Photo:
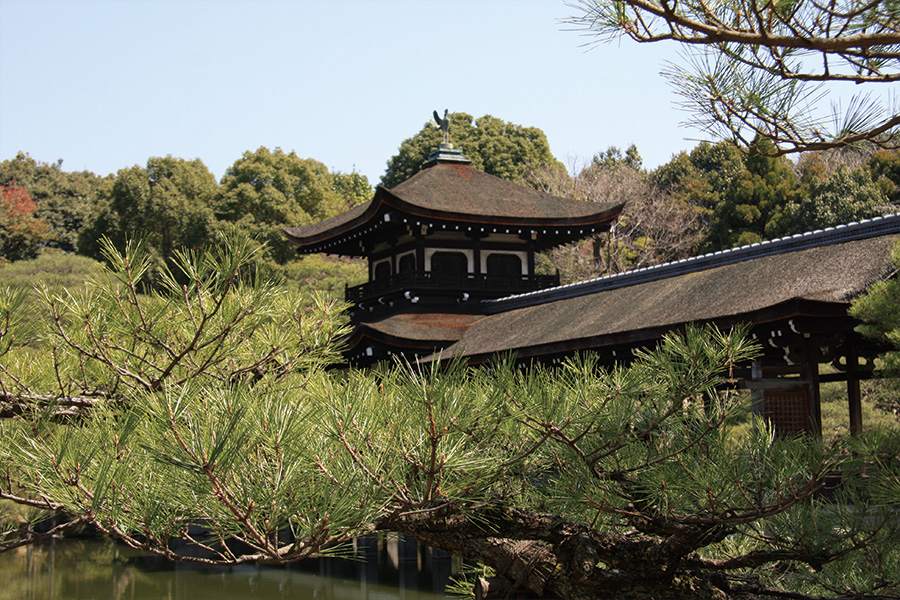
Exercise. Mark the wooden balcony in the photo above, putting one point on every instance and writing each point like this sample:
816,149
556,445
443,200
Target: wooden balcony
480,286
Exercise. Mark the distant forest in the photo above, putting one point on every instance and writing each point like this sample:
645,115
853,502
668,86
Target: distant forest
714,197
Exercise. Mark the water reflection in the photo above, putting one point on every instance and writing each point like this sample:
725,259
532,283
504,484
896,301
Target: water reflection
97,570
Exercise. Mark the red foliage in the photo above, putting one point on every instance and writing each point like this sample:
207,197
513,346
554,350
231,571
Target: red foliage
17,201
21,234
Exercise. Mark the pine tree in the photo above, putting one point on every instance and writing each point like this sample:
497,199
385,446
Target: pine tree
205,412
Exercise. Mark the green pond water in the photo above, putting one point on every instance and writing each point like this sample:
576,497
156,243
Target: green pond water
99,570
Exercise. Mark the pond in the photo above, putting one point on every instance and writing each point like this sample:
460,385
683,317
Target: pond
89,569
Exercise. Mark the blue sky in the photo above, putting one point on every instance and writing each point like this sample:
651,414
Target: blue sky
107,84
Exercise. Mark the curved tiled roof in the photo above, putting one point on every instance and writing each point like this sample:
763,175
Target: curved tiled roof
465,193
459,193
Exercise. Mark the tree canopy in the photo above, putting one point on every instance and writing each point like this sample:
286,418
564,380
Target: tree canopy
880,309
747,197
493,145
64,200
167,204
210,403
844,196
266,190
758,69
752,208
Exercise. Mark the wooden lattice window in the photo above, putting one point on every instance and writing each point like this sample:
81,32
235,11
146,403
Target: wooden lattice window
787,410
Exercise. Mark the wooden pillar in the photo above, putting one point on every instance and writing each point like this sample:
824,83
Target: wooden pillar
476,257
757,402
854,396
420,253
812,375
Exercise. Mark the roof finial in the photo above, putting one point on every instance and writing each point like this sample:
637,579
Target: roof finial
444,124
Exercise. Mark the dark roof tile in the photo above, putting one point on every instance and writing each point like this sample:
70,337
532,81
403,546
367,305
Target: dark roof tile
462,194
468,193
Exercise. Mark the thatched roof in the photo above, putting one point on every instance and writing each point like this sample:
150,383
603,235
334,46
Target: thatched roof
753,290
462,192
417,333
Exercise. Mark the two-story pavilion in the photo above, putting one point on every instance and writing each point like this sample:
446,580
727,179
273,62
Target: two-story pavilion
438,245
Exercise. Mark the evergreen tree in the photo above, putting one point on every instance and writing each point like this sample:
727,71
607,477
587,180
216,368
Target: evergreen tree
166,203
210,403
493,145
843,196
266,190
753,208
880,309
756,69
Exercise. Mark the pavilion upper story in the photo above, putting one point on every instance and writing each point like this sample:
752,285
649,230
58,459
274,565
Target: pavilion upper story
450,237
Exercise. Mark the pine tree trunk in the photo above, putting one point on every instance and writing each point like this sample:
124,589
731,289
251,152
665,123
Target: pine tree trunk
541,556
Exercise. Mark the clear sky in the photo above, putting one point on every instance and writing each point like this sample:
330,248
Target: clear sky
107,84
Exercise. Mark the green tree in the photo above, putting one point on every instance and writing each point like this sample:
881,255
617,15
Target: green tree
58,271
703,177
752,209
740,198
265,190
879,308
844,196
210,403
167,204
613,158
493,145
885,168
353,187
64,200
758,69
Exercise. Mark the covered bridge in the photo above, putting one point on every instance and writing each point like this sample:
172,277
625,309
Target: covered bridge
794,292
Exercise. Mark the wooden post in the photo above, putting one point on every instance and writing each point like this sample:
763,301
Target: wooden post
757,402
854,396
815,401
476,257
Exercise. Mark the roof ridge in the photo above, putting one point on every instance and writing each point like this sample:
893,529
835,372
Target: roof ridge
856,230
